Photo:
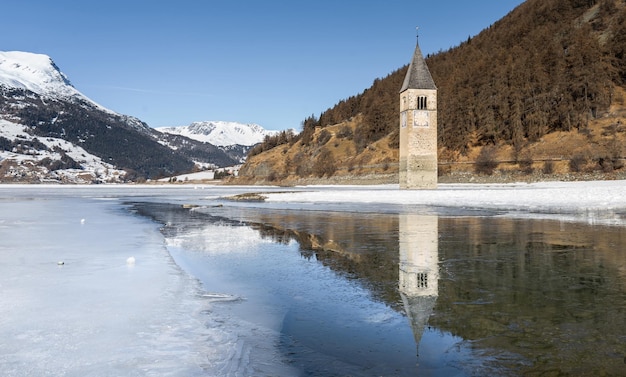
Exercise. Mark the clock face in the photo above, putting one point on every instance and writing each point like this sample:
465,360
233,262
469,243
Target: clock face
420,118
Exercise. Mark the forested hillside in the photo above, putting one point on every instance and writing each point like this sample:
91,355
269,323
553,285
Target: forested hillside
548,66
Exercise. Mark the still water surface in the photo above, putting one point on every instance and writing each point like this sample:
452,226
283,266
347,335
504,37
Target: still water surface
405,294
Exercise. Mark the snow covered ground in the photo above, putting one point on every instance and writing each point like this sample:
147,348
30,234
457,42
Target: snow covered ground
591,201
542,197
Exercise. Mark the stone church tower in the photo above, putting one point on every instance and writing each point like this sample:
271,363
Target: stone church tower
418,126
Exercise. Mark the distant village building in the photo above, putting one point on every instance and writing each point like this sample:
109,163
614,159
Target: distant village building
418,126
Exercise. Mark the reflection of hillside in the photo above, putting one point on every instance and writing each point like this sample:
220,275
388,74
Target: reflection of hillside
361,246
551,292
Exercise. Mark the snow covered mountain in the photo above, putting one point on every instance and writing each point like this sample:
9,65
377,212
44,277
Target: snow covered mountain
221,133
51,131
36,73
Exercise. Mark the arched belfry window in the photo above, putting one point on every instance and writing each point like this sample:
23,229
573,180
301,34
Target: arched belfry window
422,103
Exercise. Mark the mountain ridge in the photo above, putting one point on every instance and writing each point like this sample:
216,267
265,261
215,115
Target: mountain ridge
38,102
221,133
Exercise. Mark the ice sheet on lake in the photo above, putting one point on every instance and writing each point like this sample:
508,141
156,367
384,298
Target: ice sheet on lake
72,305
322,321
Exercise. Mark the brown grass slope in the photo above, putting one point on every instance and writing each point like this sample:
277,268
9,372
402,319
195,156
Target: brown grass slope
538,94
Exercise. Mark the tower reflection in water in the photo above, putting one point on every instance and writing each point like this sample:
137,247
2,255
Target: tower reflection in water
419,269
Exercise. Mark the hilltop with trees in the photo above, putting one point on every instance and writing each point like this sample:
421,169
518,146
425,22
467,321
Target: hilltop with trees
541,91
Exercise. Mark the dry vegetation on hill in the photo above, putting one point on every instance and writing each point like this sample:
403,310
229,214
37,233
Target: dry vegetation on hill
331,154
538,95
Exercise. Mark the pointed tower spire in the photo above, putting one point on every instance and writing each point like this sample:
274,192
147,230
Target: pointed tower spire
418,76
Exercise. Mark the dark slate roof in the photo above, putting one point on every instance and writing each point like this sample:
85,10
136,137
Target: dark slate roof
418,76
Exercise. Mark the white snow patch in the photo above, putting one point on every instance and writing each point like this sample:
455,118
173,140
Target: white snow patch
199,176
30,158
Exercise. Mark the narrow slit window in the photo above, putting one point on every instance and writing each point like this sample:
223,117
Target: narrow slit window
422,103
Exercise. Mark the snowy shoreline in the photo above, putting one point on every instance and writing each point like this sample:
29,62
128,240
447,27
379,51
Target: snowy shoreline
560,197
589,200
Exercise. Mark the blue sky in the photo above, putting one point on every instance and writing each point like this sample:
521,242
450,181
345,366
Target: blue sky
274,63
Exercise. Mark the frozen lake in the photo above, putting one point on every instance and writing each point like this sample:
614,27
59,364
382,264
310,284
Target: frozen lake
299,286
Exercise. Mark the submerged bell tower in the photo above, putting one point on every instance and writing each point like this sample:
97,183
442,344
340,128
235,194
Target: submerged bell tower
418,126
